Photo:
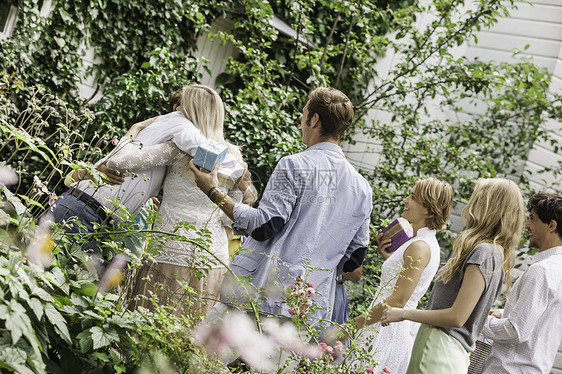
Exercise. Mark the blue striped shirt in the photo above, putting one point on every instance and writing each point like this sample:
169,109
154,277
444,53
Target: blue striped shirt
314,214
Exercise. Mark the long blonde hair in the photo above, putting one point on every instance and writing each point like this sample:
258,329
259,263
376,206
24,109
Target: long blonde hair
204,108
494,214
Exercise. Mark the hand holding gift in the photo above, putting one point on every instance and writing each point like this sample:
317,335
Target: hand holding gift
393,236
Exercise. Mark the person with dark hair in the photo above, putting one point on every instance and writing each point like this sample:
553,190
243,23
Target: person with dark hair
528,332
312,223
175,101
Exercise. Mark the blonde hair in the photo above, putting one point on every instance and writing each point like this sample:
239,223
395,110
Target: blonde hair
437,196
204,108
494,214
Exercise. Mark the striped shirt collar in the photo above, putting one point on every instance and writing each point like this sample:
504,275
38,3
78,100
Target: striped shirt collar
546,254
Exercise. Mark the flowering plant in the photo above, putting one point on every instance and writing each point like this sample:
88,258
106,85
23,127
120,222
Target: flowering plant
299,298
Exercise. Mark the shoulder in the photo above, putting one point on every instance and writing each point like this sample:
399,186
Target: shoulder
416,249
487,256
172,121
486,250
287,162
538,270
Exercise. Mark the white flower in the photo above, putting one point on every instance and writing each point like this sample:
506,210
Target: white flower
114,274
287,336
40,250
8,176
236,333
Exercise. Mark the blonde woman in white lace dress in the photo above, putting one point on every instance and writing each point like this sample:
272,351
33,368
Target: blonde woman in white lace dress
405,276
183,203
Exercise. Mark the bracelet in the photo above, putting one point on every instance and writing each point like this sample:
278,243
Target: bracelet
213,193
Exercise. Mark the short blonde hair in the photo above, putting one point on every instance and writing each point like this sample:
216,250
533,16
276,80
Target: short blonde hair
437,196
494,214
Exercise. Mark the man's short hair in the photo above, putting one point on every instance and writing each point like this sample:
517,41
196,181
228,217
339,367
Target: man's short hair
548,207
334,109
175,100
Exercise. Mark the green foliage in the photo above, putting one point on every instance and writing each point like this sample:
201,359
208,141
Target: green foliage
431,113
57,321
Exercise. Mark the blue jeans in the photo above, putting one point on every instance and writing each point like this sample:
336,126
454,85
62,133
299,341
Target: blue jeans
80,220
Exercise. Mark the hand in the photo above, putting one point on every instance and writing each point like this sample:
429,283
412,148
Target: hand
155,203
113,177
383,245
205,180
246,179
392,315
496,313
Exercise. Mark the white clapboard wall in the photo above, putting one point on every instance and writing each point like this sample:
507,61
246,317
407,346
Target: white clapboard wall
540,26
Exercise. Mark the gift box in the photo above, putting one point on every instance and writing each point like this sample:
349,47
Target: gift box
228,176
209,154
400,231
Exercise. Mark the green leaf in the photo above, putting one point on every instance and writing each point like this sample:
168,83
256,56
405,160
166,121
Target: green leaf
102,356
15,359
58,322
37,306
42,294
103,337
85,341
20,208
17,320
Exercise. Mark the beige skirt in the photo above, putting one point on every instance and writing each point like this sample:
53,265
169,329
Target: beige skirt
436,352
169,285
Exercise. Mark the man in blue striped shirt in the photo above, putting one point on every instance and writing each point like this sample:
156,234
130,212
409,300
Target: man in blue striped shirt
313,219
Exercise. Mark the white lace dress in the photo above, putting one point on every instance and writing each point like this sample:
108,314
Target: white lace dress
393,344
183,205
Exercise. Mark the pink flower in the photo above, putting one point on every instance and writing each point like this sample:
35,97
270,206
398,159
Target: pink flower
300,292
292,311
303,314
338,347
386,370
323,346
310,291
370,369
115,140
311,284
308,302
292,287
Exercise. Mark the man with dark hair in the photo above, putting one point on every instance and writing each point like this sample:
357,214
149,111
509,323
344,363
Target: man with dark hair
527,334
312,222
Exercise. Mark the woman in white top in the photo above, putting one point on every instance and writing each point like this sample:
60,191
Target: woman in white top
184,205
405,277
